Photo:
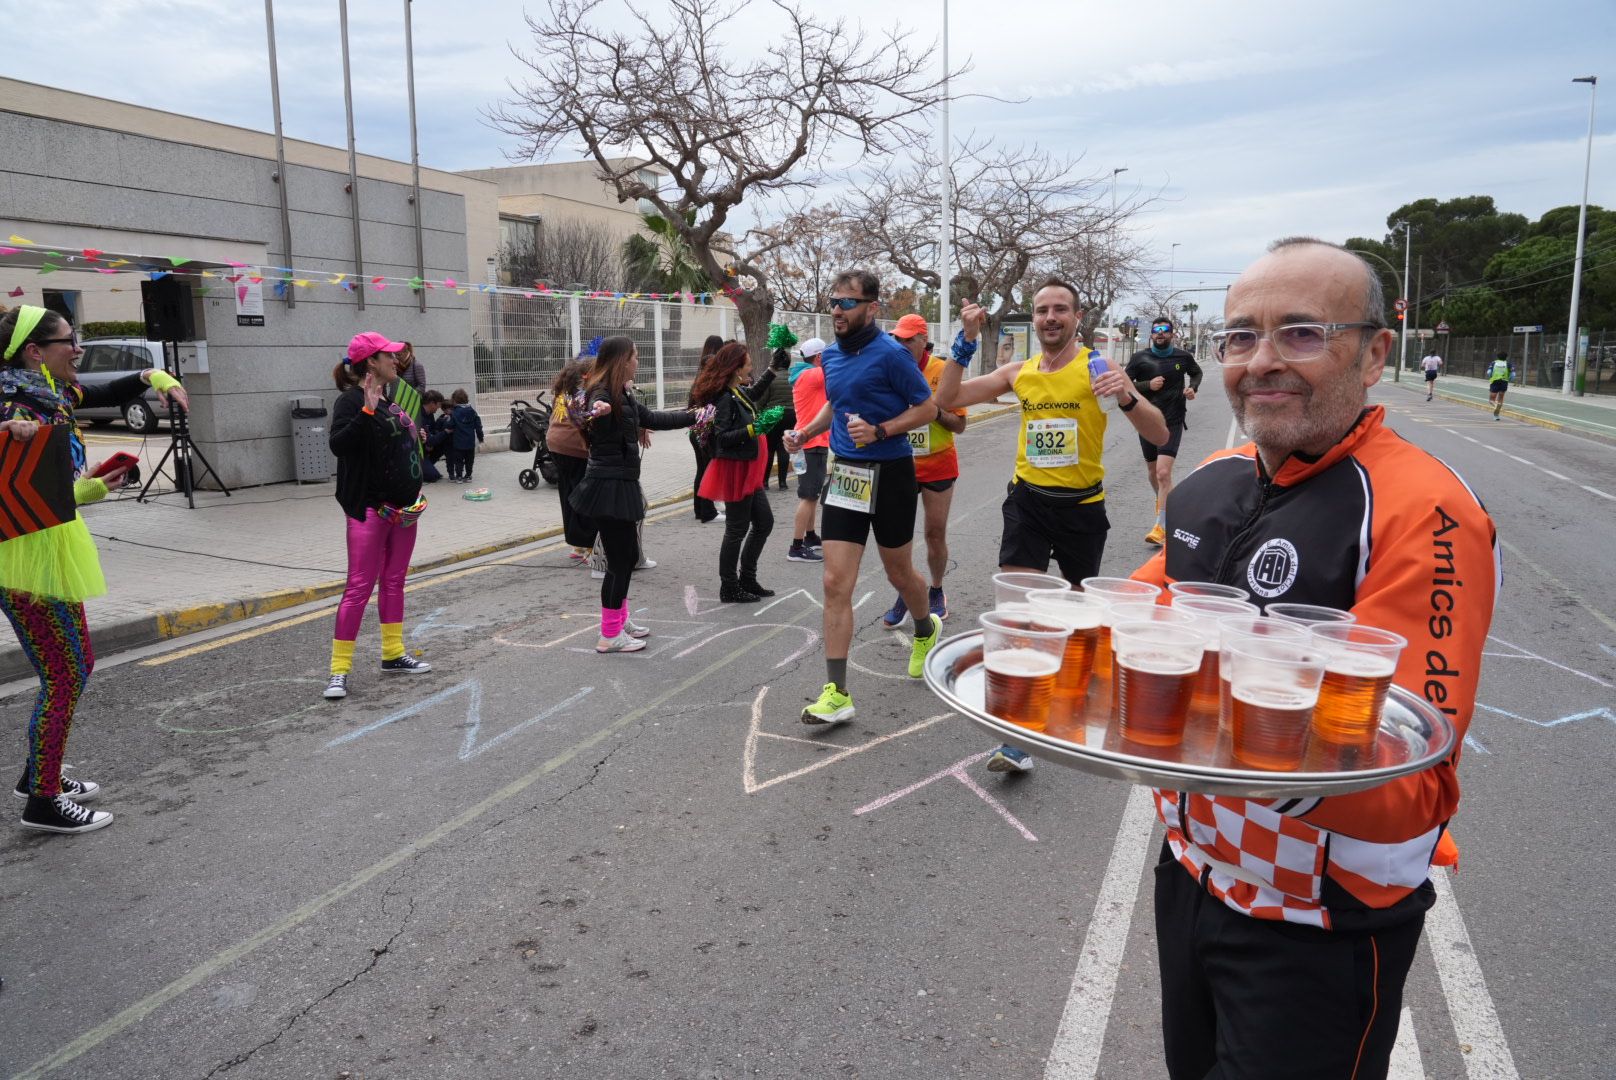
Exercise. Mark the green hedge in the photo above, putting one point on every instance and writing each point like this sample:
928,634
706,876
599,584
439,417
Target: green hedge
134,328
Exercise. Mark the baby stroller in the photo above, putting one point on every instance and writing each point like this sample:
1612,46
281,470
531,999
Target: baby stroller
530,425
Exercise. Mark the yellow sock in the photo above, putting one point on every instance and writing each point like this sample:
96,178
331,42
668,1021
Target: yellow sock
392,640
341,656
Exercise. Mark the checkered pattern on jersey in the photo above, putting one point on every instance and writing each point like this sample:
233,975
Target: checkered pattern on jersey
1287,854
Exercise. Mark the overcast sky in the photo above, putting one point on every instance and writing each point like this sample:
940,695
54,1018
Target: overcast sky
1253,118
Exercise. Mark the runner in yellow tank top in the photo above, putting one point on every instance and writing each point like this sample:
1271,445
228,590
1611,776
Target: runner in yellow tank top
1056,507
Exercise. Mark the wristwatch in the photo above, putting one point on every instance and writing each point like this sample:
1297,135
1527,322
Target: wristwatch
1133,402
880,431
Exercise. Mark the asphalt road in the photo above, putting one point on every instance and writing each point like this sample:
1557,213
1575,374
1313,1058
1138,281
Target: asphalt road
540,862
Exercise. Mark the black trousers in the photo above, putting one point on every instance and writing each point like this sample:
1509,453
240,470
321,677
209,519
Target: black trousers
579,530
706,509
1254,998
621,543
461,462
778,458
747,525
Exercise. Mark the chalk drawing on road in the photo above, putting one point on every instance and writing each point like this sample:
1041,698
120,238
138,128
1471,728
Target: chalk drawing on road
811,638
187,716
1521,652
472,745
1602,712
955,771
430,624
754,732
510,635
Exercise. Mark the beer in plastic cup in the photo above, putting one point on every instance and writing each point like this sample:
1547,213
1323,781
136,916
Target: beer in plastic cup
1358,668
1156,663
1274,686
1208,611
1230,629
1177,589
1010,590
1082,613
1022,653
1308,615
1114,590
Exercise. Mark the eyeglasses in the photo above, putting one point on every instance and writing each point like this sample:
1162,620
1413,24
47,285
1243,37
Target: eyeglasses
1295,342
848,303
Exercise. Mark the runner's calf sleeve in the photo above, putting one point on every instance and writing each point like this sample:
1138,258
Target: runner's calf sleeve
836,672
923,625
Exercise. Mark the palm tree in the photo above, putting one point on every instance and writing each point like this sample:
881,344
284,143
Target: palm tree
662,261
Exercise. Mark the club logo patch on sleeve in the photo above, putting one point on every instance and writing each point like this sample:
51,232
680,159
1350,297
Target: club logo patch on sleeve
1272,569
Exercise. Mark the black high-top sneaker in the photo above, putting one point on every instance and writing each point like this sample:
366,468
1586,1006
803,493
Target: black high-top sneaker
61,814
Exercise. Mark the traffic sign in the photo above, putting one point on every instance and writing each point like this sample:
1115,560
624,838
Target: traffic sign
1401,304
1442,328
1538,329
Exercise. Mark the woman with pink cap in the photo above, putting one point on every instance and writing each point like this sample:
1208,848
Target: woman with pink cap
379,488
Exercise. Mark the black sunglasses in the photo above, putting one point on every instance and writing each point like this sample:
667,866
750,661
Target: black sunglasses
848,303
71,339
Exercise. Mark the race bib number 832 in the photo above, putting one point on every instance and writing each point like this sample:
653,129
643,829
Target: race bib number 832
1052,443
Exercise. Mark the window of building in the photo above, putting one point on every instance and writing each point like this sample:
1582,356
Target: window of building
65,302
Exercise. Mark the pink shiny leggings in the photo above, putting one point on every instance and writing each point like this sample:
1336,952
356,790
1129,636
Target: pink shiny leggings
377,548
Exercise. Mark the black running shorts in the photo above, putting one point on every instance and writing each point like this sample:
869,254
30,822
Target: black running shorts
892,518
1175,432
1038,526
1498,386
812,480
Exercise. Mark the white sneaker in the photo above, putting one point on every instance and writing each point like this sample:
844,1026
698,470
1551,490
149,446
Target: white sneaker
621,643
718,516
635,630
645,564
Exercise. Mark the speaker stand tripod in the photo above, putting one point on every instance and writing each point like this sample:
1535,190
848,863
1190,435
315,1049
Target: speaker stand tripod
181,449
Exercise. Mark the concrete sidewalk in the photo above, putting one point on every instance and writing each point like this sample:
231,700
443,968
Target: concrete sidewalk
1591,416
172,571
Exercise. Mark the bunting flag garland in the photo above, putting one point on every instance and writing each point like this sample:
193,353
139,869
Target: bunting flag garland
51,260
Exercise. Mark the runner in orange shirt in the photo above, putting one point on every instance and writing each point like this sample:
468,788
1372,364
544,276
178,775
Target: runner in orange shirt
936,469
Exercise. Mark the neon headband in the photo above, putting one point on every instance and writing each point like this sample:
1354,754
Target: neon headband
28,319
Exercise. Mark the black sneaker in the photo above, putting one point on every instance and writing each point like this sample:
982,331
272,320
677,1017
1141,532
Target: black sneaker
406,665
813,543
62,815
750,584
336,689
77,790
732,593
801,552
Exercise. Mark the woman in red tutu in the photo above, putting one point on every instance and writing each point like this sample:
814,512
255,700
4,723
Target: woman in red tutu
740,460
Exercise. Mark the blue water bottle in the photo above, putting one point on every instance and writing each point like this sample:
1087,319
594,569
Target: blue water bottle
1097,365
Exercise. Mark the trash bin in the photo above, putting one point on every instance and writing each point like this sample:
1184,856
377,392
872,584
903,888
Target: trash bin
311,446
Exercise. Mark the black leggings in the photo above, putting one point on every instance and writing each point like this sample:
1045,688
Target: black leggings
749,520
705,508
578,529
778,458
621,543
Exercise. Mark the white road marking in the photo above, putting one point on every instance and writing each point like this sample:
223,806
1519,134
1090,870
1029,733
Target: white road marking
1596,491
1078,1042
1406,1063
1535,465
1475,1019
749,780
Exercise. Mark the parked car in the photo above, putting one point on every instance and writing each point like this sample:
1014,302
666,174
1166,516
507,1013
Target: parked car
107,359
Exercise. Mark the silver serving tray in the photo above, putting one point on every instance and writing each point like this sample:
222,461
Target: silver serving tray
1413,737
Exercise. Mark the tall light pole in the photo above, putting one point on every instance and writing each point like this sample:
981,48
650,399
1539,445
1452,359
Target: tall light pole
945,255
1114,173
1408,246
1397,369
1582,228
1172,266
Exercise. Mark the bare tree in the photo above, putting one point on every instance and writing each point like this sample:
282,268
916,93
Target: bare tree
802,255
723,128
566,253
1102,266
1018,214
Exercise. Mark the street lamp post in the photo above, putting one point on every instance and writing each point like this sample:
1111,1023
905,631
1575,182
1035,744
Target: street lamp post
945,254
1114,173
1402,347
1397,369
1172,265
1582,228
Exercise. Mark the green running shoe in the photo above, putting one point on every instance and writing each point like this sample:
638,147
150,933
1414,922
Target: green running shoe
924,645
832,707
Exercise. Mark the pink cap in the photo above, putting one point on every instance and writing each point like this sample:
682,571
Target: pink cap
364,346
910,326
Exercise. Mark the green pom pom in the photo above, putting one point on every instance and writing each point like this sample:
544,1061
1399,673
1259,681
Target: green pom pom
780,337
769,419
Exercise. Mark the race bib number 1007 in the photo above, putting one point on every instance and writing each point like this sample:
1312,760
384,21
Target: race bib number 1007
850,487
1052,443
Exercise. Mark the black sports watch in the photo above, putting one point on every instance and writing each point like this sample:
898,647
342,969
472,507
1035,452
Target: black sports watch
1133,403
880,431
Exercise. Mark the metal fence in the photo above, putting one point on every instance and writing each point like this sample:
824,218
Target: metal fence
1536,359
522,342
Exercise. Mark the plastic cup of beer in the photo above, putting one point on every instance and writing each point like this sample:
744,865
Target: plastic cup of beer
1179,589
1022,653
1010,590
1208,612
1082,613
1114,590
1274,686
1358,668
1156,665
1231,628
1309,615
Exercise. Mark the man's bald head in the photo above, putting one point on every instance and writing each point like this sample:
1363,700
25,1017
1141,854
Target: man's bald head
1374,306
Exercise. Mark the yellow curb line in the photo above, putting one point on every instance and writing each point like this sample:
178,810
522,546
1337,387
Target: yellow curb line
1552,425
172,624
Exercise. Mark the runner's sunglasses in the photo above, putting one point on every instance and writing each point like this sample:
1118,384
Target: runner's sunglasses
848,303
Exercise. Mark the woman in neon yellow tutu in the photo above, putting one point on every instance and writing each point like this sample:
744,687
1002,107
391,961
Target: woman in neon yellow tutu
46,574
